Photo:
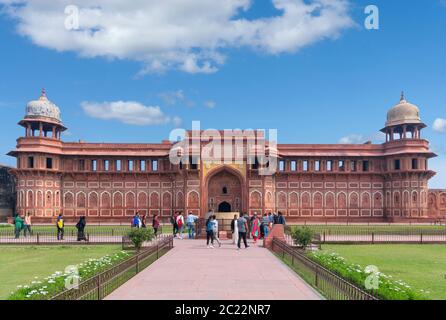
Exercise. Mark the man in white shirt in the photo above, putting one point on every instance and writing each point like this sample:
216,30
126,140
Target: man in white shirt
215,222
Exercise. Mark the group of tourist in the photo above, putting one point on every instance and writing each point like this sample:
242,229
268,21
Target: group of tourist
241,226
178,223
24,223
139,221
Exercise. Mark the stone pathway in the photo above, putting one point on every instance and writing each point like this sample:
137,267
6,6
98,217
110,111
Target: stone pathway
190,271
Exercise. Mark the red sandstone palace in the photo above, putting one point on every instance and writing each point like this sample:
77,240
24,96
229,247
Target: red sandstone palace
110,182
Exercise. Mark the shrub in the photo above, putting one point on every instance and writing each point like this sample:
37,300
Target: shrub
55,283
139,235
388,288
302,236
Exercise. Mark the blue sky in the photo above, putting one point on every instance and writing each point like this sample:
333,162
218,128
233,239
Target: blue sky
320,91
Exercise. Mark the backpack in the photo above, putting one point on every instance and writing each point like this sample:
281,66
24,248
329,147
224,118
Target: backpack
60,223
180,222
172,220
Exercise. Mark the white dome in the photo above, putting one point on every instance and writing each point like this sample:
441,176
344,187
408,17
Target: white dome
43,108
403,113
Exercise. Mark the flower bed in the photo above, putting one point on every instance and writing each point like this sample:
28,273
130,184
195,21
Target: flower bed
55,283
387,287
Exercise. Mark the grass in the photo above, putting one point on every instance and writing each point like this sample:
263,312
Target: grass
421,266
19,265
378,229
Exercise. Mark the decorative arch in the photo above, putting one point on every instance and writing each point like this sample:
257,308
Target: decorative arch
81,200
293,200
154,200
354,200
306,200
396,199
30,198
57,199
242,202
268,199
406,199
167,200
106,200
118,199
342,200
378,200
93,199
68,199
142,200
330,201
414,199
22,199
318,200
180,199
39,199
49,199
281,200
366,201
130,200
255,199
193,199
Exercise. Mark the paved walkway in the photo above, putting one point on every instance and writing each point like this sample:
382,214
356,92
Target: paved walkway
190,271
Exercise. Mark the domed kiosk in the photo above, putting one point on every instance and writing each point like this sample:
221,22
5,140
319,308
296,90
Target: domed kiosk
403,121
42,118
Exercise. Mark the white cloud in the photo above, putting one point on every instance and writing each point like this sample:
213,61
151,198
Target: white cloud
439,125
171,98
210,104
191,35
360,139
128,112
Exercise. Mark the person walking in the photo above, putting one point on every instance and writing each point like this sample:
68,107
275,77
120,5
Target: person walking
18,225
242,225
265,225
144,220
281,219
180,225
191,219
173,221
234,230
155,223
210,232
136,221
271,219
275,218
80,226
27,225
60,224
215,230
255,231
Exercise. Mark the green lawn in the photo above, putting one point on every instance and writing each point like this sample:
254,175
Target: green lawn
378,229
20,264
421,266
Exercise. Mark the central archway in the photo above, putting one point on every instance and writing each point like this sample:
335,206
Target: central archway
224,207
224,190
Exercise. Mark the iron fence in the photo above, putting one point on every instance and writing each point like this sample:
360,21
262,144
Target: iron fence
101,285
332,286
393,234
48,235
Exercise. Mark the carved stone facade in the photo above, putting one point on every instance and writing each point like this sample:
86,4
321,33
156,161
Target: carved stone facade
110,182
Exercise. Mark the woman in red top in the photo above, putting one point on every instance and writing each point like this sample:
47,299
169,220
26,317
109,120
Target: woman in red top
155,223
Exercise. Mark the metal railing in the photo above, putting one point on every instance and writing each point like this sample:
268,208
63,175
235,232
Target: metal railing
332,286
101,285
47,235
